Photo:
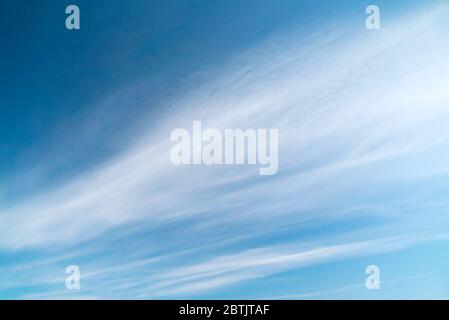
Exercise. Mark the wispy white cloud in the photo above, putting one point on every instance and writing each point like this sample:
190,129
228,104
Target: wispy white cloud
357,112
226,270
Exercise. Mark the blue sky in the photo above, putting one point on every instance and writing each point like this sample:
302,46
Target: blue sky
363,175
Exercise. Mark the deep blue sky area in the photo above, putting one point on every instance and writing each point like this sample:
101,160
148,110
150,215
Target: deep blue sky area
51,75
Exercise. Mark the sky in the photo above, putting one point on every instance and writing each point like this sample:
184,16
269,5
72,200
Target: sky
86,179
